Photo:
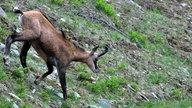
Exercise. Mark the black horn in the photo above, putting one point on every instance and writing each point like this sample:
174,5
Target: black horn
104,52
94,50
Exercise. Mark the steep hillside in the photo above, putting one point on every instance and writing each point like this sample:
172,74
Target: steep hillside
149,63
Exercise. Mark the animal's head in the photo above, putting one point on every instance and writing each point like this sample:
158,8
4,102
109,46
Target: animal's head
93,58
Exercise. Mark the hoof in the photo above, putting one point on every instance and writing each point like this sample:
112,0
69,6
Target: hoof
36,82
6,61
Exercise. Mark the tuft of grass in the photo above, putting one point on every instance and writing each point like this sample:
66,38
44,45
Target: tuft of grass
5,103
157,78
176,93
111,70
59,2
186,103
3,76
84,76
20,72
135,86
45,95
121,65
136,37
81,68
103,86
108,9
127,8
157,11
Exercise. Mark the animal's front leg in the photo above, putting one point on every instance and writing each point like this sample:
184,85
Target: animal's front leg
62,79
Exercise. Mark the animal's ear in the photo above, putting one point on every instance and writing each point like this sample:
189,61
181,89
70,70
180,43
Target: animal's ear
94,50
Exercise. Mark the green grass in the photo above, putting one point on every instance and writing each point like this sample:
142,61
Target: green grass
84,76
185,103
5,103
112,84
138,38
59,2
157,78
107,8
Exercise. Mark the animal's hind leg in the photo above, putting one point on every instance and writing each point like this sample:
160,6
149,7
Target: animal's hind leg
23,53
27,35
50,70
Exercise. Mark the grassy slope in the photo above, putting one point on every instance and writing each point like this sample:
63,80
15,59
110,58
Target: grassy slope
152,67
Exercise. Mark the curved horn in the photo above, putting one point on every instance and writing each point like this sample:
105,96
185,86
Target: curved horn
93,50
104,52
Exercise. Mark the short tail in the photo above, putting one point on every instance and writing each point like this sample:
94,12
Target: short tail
17,11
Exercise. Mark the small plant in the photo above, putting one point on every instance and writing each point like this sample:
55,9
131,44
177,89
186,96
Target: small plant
127,8
3,75
45,95
115,35
84,76
99,87
177,93
135,86
108,9
59,2
157,11
157,78
2,34
115,82
19,72
5,103
81,68
121,65
112,84
136,37
111,70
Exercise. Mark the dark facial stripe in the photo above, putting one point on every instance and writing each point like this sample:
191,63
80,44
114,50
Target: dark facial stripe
95,63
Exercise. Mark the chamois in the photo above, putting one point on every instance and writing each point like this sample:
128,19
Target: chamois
51,46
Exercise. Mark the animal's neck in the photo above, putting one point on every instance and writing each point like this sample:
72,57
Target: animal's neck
80,56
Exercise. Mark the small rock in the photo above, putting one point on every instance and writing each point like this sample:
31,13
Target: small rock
15,105
62,19
34,90
14,46
104,103
60,95
77,96
46,7
135,4
36,56
59,102
2,47
15,96
15,53
108,1
93,106
2,12
184,5
118,14
189,32
3,88
30,97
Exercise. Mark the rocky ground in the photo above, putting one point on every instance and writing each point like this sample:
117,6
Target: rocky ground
148,63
